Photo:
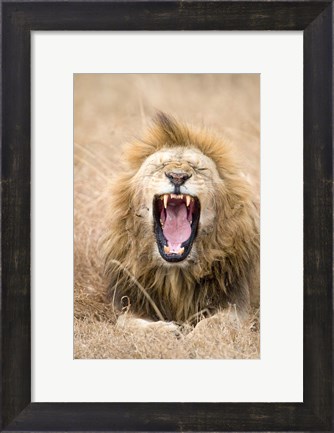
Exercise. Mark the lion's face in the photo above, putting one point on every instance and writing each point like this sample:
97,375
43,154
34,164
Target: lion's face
178,188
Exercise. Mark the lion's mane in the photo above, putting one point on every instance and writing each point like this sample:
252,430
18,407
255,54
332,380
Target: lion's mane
225,267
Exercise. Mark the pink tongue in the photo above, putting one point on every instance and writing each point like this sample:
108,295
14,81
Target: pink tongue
176,228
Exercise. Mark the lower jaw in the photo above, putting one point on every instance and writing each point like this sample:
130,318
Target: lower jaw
186,246
174,258
175,262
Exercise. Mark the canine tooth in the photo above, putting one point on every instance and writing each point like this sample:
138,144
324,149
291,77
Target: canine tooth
165,200
161,223
181,251
188,200
166,249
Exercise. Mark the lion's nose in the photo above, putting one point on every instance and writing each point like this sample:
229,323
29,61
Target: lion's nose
177,179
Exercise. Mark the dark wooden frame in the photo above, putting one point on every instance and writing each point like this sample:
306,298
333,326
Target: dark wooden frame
315,18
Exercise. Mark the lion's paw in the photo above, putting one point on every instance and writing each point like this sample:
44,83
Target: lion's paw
140,324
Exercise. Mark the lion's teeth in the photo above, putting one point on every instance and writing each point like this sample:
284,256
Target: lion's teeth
181,251
165,198
161,223
166,249
177,196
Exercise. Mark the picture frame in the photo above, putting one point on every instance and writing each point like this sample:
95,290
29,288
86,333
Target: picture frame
315,19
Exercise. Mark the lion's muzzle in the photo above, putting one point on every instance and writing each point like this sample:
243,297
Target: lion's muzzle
177,178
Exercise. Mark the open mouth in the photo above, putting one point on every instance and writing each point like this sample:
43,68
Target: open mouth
176,218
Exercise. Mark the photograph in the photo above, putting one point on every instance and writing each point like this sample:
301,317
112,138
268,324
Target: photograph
166,216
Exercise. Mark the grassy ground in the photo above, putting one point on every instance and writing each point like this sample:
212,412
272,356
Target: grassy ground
108,111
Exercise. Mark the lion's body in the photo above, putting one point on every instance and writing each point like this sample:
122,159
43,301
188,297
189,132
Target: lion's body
223,263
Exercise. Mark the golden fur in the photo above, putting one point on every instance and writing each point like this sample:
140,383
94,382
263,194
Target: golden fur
223,264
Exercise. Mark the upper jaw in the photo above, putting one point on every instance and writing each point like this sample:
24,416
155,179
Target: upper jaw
176,218
186,198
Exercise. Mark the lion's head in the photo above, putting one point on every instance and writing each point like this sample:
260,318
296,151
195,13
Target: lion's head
183,235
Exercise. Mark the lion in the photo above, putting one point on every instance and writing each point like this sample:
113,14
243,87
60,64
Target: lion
183,230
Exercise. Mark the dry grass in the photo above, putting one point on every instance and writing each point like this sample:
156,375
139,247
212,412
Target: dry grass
213,338
108,111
